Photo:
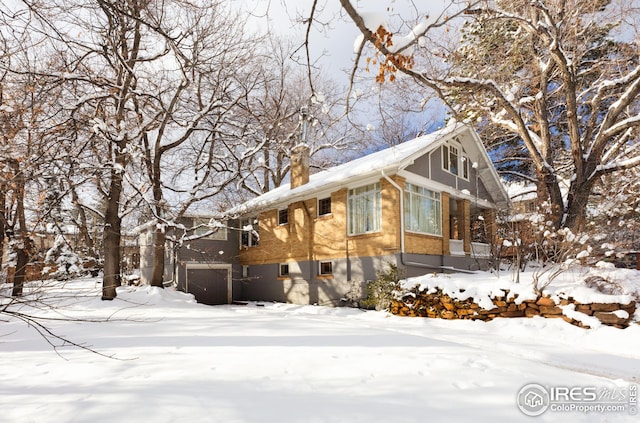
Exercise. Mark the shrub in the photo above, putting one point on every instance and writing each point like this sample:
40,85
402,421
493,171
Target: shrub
382,290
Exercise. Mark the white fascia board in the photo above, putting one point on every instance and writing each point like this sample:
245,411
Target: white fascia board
321,191
492,179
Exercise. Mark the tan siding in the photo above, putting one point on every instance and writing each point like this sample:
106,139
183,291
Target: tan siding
423,244
273,238
309,237
330,231
305,237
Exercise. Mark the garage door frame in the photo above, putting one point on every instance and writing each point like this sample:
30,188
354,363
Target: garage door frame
212,266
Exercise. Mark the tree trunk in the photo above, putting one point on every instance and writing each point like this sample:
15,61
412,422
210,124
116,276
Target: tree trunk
577,199
25,245
159,239
548,189
21,270
3,223
112,223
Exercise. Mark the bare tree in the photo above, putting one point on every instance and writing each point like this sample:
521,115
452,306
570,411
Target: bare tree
24,150
100,49
548,72
275,122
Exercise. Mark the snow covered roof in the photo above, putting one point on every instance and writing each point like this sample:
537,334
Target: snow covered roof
389,161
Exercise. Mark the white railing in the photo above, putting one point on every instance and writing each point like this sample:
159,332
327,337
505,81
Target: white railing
480,249
456,246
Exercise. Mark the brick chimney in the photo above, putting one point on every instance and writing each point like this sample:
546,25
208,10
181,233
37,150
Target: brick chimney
300,154
299,165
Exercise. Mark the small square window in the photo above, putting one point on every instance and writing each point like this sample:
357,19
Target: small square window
283,269
283,216
324,206
326,268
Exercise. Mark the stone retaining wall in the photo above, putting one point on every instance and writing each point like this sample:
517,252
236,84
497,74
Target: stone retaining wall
440,305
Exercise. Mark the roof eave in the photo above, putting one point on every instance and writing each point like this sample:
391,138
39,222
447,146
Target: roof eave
302,194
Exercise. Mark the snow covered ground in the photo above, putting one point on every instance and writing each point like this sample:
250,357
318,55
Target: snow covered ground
178,361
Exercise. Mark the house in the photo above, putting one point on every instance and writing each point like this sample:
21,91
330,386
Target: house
426,205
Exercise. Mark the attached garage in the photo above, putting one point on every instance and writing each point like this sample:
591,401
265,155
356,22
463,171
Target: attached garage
210,283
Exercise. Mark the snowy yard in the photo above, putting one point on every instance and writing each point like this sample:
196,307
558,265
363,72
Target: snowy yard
178,361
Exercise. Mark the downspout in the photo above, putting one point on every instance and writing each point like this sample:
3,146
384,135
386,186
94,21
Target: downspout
310,244
346,246
400,191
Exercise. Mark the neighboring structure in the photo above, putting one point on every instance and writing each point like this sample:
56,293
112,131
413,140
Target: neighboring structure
45,239
426,205
199,258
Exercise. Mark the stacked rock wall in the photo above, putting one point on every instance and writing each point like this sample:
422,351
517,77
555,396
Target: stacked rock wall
440,305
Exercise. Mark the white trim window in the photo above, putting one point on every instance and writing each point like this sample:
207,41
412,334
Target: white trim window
249,232
455,161
450,155
324,206
283,270
465,167
283,216
325,268
365,209
422,210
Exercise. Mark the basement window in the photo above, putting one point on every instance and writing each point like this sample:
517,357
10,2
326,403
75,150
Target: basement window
326,268
283,270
